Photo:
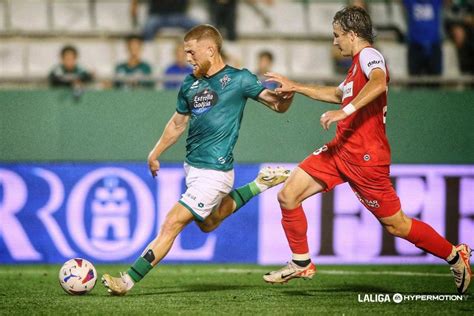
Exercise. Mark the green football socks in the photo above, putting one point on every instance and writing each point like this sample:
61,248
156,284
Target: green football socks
139,269
243,194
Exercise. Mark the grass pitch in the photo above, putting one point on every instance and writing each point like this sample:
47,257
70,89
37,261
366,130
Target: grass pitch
236,290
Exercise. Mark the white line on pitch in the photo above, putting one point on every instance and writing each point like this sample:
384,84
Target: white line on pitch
345,272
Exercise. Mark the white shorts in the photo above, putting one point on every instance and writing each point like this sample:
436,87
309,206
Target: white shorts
205,190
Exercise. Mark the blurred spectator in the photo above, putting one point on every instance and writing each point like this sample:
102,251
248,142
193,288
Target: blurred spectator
359,3
460,26
424,37
134,72
231,59
179,67
163,13
224,16
68,73
264,65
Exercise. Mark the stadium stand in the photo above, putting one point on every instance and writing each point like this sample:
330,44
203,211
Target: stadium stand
299,35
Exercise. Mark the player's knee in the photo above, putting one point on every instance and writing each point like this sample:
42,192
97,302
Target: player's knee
206,228
286,199
399,229
170,228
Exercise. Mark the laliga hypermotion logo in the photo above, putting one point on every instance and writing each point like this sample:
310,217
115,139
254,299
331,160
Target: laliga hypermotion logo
104,194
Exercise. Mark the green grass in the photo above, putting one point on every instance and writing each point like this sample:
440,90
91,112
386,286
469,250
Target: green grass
234,290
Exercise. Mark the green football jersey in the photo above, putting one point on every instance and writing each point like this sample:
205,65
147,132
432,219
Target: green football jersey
216,105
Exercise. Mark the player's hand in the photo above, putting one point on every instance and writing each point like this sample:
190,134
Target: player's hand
331,116
282,95
154,166
286,85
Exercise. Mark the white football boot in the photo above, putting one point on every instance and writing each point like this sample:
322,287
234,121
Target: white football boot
290,271
269,177
461,270
117,286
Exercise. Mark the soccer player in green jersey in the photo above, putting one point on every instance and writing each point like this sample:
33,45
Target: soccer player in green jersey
211,101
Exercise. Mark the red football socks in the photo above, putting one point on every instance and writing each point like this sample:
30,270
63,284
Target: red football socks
295,226
426,238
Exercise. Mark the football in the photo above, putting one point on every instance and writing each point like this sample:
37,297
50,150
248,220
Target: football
77,276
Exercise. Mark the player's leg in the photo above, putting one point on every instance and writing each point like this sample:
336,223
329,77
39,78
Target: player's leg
178,217
267,178
296,189
315,174
374,189
426,238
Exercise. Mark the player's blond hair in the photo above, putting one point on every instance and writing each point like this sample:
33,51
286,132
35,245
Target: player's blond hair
205,31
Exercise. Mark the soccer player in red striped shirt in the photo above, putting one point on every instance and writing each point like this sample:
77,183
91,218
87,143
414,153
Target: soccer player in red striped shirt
359,154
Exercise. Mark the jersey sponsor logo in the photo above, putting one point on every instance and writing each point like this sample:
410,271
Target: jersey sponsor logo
203,101
367,202
423,12
348,90
224,81
374,62
221,160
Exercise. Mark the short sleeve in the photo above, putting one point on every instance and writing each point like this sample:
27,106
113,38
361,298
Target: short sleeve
370,59
341,86
182,104
251,85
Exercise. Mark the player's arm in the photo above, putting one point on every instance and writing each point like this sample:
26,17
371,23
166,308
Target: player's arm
172,132
320,93
376,85
277,102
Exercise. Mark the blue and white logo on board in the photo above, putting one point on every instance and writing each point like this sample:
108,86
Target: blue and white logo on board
107,197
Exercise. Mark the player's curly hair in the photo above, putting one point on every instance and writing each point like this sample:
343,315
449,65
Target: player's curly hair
205,31
355,19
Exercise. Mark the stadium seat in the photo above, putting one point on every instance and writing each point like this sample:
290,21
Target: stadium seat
450,60
395,57
91,60
42,56
199,11
311,59
12,55
164,55
383,15
288,17
30,15
249,22
71,15
321,16
2,16
234,52
113,16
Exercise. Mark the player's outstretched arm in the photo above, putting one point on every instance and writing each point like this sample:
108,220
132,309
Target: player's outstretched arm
172,132
376,85
278,102
321,93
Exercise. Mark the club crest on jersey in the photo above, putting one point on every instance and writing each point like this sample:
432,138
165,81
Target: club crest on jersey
224,81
